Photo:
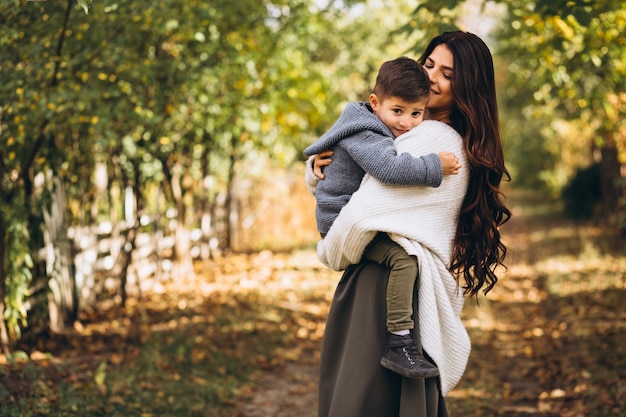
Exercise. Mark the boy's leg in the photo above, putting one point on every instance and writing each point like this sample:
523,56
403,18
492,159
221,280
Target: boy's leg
402,276
402,355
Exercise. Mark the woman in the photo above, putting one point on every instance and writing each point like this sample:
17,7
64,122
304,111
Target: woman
466,211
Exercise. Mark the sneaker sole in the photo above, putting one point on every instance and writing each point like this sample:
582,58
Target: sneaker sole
391,366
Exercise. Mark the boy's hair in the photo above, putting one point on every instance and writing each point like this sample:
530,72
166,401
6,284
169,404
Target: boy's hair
404,78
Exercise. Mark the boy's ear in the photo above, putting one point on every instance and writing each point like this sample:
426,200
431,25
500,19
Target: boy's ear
373,101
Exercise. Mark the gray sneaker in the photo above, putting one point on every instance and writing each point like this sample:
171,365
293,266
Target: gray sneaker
402,357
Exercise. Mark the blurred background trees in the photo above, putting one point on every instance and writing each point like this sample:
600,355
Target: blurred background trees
566,77
182,124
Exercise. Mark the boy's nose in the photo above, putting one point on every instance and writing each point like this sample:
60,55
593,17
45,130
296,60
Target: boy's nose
405,121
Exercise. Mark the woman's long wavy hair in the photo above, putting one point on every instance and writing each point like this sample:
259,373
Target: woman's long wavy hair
478,247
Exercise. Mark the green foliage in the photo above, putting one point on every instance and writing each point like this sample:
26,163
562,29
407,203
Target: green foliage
565,65
528,159
85,5
429,19
18,273
576,67
174,94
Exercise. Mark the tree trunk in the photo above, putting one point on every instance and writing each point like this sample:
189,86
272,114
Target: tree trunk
182,250
4,334
182,262
609,176
203,206
133,223
62,300
231,212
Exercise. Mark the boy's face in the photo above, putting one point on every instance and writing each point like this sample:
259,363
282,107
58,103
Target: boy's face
398,115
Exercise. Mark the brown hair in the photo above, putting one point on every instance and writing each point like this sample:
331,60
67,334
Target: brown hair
404,78
478,248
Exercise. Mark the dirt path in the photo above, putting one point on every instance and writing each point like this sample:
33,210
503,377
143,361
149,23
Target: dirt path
546,341
290,392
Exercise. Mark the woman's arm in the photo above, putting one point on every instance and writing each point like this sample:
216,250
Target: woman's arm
321,160
313,172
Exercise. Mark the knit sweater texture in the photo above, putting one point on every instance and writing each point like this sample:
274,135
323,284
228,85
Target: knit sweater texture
423,221
361,144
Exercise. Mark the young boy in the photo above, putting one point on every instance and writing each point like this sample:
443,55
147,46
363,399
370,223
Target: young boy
362,140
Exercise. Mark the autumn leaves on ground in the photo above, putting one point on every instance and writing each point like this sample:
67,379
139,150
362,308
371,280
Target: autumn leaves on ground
242,338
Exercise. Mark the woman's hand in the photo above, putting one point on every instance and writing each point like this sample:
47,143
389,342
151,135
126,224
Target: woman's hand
321,160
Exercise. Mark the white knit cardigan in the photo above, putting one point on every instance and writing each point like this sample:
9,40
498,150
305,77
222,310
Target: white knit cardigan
423,221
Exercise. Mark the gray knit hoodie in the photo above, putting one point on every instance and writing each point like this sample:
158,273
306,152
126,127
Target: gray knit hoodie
363,144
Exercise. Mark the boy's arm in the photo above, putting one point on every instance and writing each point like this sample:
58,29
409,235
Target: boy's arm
378,156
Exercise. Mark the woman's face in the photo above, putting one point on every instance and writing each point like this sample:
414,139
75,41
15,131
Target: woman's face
439,66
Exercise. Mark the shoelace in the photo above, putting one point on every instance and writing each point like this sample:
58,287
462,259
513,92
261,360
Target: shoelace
411,353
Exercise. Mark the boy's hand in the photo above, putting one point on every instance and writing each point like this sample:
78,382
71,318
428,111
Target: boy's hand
449,162
321,160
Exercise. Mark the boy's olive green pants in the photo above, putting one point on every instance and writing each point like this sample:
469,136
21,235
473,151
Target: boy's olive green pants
402,276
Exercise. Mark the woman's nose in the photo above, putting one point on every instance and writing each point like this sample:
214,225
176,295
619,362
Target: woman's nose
432,74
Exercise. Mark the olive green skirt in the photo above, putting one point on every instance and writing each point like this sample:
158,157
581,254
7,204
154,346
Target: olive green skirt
352,381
